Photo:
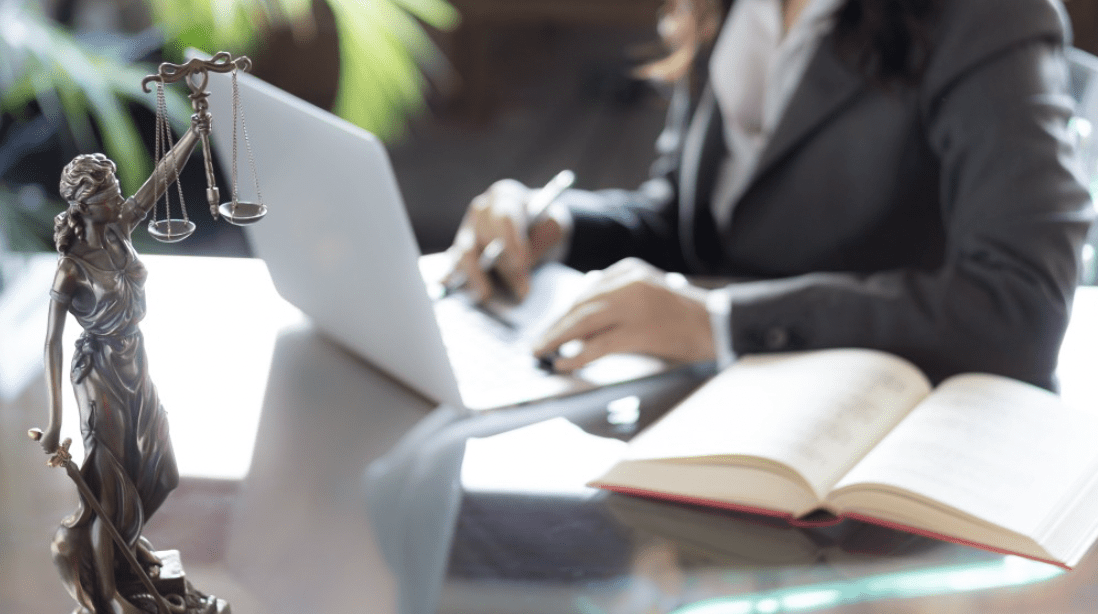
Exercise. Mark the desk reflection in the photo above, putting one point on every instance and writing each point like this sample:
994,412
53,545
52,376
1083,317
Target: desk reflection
571,549
358,495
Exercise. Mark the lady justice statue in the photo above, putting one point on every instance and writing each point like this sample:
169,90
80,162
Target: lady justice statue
129,467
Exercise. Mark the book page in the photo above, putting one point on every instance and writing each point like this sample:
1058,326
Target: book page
816,412
1003,451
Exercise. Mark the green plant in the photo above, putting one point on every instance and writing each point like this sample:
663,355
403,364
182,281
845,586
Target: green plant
84,94
381,45
73,87
27,211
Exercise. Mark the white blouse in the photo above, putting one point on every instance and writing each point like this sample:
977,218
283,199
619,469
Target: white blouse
754,69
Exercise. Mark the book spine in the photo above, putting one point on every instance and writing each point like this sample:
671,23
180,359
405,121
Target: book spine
651,494
824,520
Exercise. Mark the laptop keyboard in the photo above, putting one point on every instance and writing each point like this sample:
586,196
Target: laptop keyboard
489,356
489,347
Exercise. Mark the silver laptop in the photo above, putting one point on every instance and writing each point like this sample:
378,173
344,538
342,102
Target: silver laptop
339,246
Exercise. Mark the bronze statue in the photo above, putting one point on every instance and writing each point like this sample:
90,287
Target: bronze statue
129,466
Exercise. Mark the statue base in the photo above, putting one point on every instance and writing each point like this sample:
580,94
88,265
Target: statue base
182,597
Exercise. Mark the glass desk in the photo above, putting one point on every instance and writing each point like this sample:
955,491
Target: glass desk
313,483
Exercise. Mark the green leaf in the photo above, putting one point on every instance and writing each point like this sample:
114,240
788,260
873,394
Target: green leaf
27,229
380,41
121,141
72,84
381,44
437,13
380,80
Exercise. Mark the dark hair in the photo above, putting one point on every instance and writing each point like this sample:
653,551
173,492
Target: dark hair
888,40
685,27
83,177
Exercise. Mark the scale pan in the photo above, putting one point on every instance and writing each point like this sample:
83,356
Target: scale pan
171,231
242,213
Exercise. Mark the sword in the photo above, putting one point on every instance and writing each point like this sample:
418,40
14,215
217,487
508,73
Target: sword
62,458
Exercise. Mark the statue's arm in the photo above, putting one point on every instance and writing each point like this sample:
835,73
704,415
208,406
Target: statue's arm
61,296
168,169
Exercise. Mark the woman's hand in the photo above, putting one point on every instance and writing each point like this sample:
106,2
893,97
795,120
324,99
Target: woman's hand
202,122
500,214
50,439
636,308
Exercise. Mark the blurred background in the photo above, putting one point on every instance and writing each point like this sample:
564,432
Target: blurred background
464,92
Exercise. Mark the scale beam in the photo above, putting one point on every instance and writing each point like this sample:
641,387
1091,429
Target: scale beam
195,73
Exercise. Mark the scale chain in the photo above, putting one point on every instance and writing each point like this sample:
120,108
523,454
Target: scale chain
236,105
157,148
163,150
171,144
247,142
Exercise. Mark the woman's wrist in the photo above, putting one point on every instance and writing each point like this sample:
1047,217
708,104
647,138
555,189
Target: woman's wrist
718,303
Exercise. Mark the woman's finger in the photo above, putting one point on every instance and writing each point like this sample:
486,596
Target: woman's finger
616,277
583,321
477,280
464,241
607,341
502,220
513,264
466,273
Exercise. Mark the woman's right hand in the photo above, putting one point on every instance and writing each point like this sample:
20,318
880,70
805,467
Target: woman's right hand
50,439
500,214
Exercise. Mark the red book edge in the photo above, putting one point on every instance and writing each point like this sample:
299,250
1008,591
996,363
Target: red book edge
640,492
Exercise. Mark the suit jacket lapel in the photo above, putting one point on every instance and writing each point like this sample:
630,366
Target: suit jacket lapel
828,84
703,151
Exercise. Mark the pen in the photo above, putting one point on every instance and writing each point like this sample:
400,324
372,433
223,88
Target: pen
536,211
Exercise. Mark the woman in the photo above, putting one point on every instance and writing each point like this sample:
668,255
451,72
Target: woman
889,174
129,463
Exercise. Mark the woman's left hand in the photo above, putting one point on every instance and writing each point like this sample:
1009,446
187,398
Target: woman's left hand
634,307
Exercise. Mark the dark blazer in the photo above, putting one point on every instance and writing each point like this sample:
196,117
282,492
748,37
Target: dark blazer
939,221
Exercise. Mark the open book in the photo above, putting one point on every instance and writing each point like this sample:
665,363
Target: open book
982,460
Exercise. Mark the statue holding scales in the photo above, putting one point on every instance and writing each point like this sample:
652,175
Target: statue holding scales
129,466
